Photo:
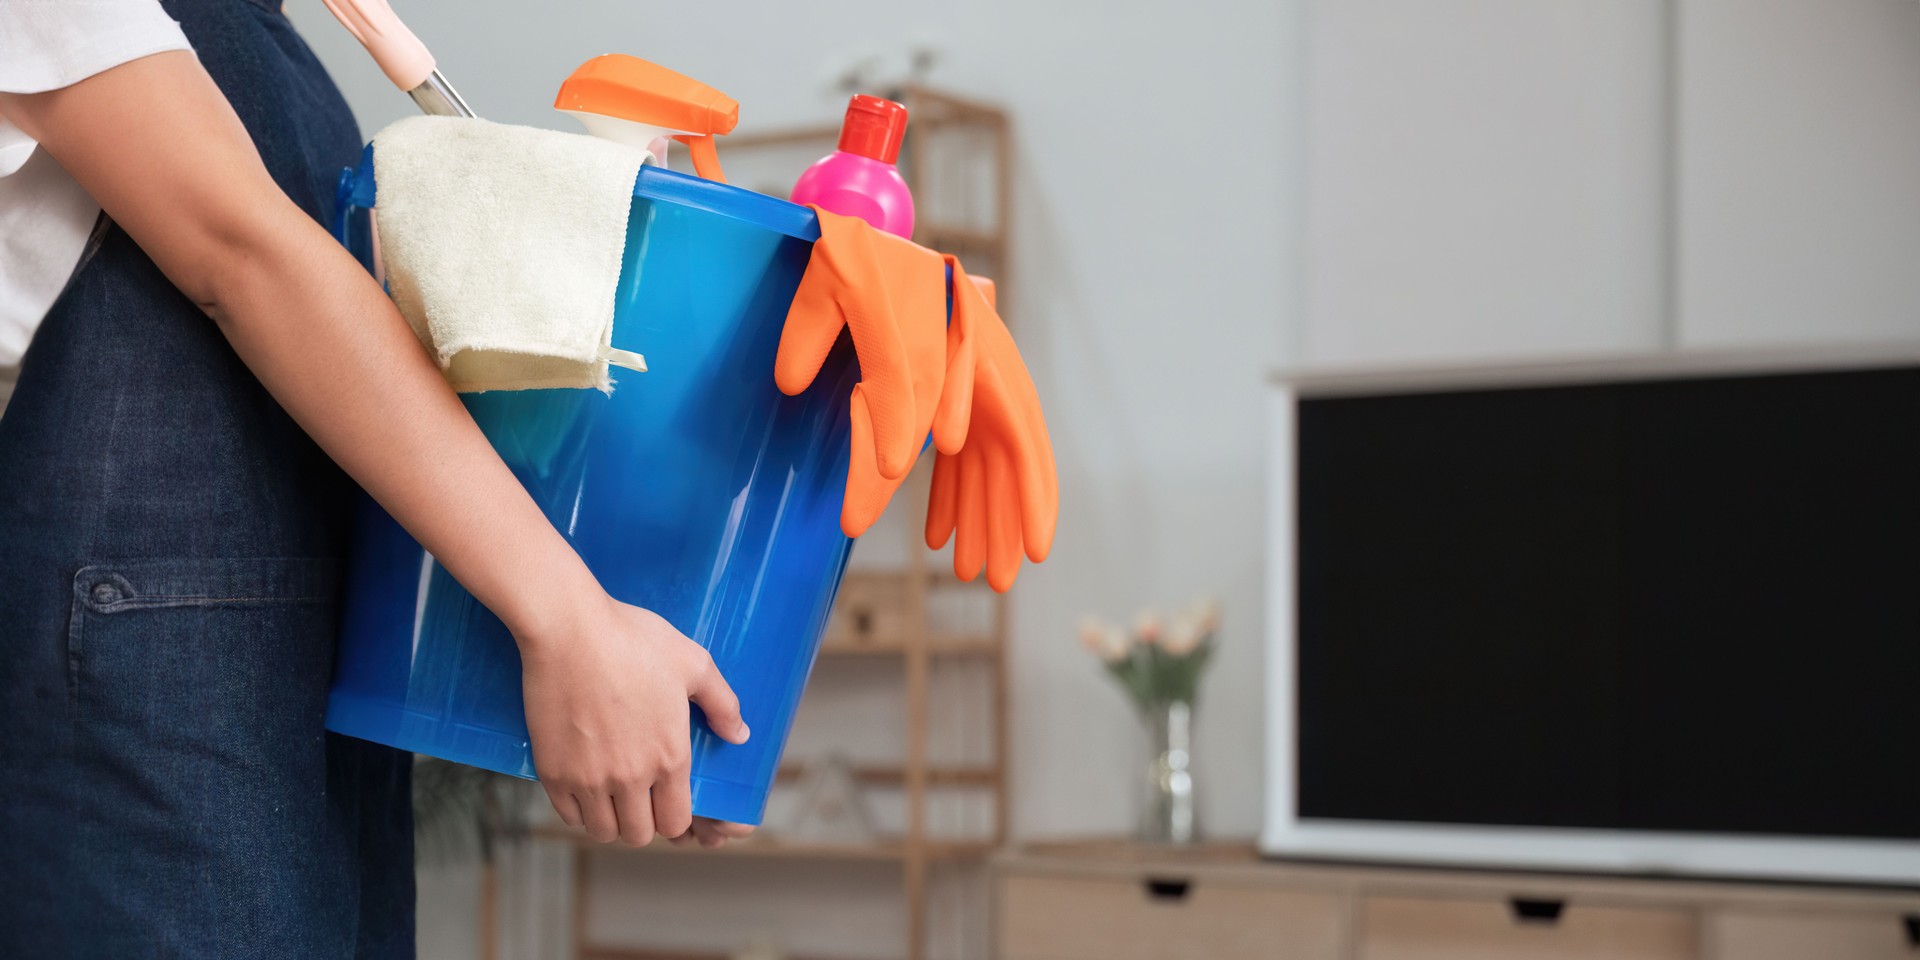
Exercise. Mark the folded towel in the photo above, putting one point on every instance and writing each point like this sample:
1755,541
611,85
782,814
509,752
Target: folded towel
502,248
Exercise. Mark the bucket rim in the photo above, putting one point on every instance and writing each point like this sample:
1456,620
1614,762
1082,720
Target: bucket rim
357,190
757,209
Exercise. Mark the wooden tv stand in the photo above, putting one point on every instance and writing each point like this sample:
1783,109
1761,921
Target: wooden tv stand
1112,900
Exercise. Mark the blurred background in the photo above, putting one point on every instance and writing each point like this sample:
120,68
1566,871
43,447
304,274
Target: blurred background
1181,200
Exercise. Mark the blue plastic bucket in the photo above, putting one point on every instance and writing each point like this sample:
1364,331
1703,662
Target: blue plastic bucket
697,490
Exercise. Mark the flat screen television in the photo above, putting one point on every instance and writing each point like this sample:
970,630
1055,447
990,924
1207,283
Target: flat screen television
1655,616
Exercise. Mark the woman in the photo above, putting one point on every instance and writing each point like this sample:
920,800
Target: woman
171,517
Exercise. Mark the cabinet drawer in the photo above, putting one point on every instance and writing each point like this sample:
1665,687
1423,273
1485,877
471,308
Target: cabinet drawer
1408,928
1786,935
1162,918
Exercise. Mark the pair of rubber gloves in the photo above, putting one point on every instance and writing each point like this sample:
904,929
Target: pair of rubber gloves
995,491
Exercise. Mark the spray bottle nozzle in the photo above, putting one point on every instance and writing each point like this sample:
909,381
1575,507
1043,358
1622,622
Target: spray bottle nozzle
632,101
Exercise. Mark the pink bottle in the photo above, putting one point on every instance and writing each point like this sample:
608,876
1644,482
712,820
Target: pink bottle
859,179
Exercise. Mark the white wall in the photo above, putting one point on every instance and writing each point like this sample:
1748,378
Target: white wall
1154,290
1485,178
1798,168
1510,179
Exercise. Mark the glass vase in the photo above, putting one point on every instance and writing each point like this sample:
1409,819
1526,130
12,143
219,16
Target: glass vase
1169,816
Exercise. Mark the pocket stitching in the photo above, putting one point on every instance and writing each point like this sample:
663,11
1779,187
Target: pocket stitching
76,617
150,601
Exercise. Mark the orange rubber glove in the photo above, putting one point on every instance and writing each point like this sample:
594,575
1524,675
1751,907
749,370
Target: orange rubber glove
891,296
998,494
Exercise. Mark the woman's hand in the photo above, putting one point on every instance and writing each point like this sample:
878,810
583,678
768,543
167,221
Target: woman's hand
607,710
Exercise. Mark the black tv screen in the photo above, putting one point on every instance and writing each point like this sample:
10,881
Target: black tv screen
1685,605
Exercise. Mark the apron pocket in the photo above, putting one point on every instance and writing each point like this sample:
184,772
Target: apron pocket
185,636
200,767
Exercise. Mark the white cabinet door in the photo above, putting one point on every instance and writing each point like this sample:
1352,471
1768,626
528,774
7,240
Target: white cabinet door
1484,178
1799,171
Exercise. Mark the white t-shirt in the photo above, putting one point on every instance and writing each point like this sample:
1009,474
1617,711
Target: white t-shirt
45,217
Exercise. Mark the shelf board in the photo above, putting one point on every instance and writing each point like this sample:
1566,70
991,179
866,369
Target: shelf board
792,136
881,851
939,575
894,774
940,236
596,952
938,106
938,646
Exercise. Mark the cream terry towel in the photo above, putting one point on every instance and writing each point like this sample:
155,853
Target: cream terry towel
502,247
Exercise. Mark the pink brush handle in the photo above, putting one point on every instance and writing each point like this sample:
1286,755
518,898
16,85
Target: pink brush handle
398,52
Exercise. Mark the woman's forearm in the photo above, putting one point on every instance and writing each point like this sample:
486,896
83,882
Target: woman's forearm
330,346
186,183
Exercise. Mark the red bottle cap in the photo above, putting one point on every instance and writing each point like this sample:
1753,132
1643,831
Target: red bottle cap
873,128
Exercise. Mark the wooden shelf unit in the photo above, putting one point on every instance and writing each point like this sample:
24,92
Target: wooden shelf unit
954,217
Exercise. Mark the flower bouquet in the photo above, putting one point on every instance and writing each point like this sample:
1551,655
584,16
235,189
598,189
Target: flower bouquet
1159,664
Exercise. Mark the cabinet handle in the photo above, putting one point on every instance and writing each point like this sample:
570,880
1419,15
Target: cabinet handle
1545,912
1912,921
1167,889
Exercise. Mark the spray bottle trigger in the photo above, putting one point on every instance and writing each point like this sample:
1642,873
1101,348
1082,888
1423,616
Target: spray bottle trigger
706,159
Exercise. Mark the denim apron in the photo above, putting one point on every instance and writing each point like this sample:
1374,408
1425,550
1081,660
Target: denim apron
170,549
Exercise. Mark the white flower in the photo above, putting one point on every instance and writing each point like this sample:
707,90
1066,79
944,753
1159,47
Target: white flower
1104,640
1184,634
1147,626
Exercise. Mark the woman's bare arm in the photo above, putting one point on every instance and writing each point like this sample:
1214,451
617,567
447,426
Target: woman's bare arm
156,143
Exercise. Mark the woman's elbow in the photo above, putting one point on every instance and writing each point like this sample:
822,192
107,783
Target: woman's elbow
232,260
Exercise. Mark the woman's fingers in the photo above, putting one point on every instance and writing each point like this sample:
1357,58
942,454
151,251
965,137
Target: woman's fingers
728,829
673,804
565,805
715,833
602,823
636,817
709,691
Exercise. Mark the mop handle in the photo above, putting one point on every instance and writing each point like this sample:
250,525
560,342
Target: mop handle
400,54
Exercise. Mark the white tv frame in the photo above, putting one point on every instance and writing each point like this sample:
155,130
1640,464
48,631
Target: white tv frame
1286,834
